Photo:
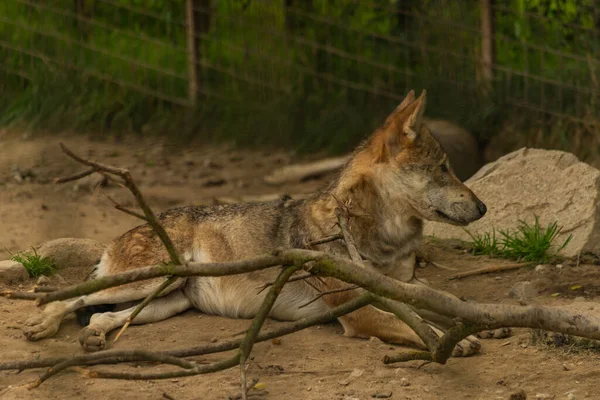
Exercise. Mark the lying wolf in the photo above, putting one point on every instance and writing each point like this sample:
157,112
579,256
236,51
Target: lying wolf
397,178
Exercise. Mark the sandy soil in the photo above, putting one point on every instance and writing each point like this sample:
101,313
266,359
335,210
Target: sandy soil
312,364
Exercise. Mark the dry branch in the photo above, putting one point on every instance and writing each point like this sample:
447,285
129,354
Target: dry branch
144,303
117,356
298,172
489,270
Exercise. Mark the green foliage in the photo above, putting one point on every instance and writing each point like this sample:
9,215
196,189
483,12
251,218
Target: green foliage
319,75
528,242
35,264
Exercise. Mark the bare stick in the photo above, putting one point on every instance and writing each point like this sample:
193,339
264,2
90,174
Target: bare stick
126,210
259,319
298,172
113,356
299,277
45,289
441,266
198,370
402,311
488,270
326,239
342,218
133,355
410,318
76,177
144,303
130,184
325,293
190,269
11,294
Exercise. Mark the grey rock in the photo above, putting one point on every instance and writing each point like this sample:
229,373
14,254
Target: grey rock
552,184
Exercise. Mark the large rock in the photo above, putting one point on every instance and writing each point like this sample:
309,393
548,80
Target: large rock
551,184
72,252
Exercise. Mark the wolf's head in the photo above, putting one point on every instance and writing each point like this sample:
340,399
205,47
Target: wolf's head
409,169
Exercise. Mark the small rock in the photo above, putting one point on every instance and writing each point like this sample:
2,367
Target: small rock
214,339
523,291
540,268
571,396
404,382
276,341
386,394
353,375
559,266
12,271
43,280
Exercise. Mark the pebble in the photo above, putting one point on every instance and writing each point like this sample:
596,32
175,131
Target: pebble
540,268
404,382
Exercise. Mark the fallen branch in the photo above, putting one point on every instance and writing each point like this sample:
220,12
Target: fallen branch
144,303
118,356
489,270
298,172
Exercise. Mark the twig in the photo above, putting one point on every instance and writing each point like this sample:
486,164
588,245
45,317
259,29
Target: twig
198,370
342,218
112,356
239,395
258,321
190,269
441,266
144,303
325,293
45,289
292,279
133,355
130,184
126,210
11,294
326,239
488,270
76,177
402,311
410,318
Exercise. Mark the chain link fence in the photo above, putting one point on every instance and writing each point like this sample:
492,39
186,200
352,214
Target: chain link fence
312,73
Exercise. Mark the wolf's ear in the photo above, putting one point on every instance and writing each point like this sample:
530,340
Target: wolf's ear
412,125
409,98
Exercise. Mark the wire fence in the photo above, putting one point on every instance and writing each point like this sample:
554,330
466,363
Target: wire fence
309,72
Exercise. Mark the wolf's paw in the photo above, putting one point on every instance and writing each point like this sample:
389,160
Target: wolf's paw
92,339
467,347
495,333
42,325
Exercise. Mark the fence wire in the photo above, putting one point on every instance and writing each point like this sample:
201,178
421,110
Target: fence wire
311,64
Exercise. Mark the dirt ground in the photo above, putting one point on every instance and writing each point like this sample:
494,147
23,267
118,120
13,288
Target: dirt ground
312,364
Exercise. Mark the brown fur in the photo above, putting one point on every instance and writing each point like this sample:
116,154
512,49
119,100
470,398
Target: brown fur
395,179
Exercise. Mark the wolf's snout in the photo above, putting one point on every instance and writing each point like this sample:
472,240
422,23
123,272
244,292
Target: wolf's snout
481,207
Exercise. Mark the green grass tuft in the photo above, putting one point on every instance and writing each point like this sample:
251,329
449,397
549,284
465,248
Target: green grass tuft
35,264
529,242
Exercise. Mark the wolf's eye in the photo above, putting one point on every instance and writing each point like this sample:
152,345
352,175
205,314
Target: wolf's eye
444,168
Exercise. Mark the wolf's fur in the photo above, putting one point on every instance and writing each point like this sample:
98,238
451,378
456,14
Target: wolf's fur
395,179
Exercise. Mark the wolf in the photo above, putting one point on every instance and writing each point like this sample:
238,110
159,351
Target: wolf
394,180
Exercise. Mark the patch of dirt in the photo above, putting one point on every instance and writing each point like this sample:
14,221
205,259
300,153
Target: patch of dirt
312,364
